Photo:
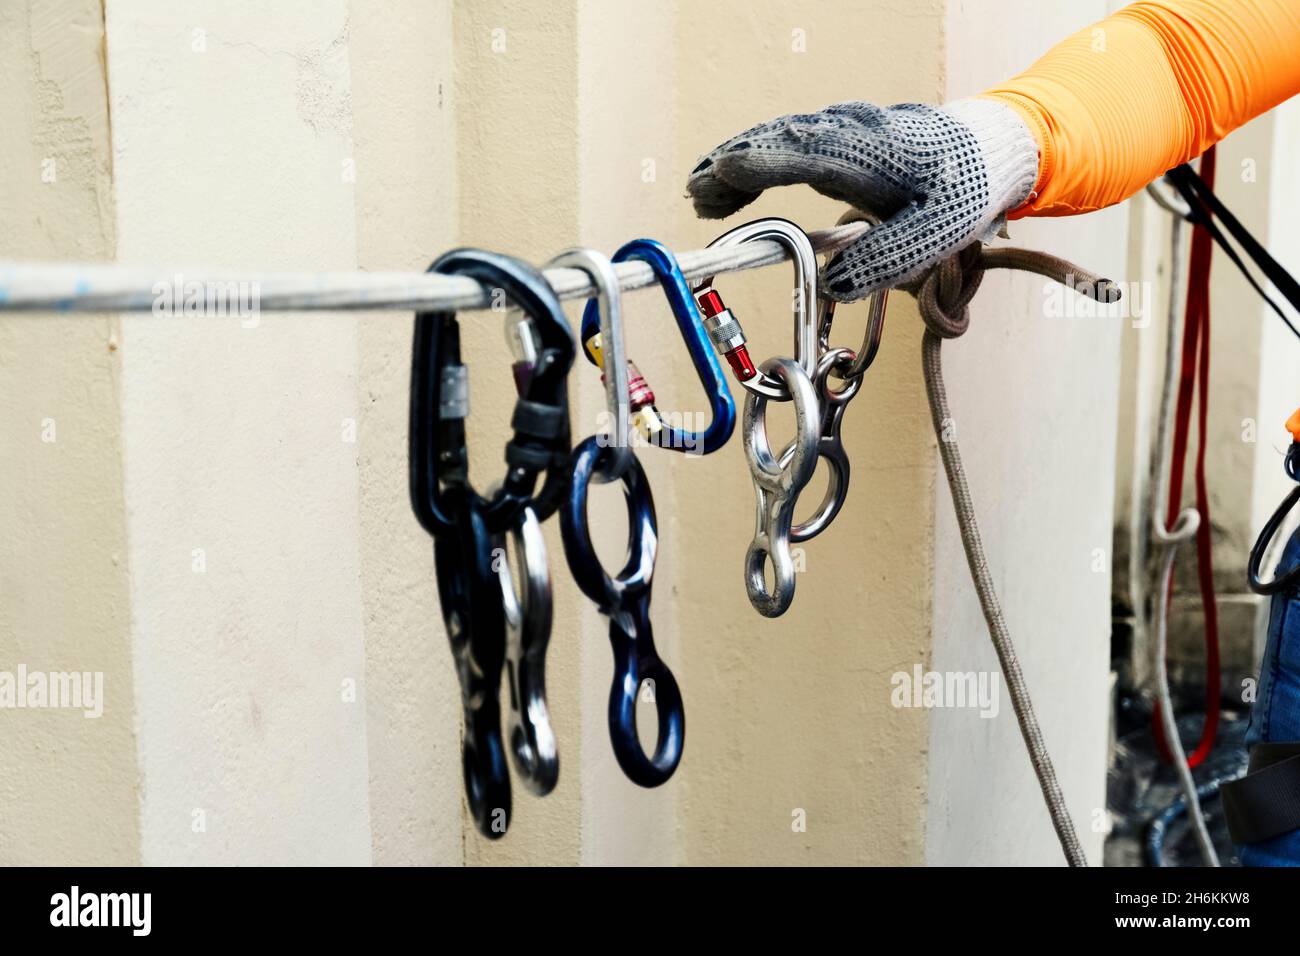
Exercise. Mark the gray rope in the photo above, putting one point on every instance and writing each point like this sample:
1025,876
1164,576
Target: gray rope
944,295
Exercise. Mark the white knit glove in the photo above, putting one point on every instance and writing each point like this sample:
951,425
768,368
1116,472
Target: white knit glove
938,178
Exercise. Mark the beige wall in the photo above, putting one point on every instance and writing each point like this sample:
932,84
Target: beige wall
404,141
68,785
354,134
793,714
241,476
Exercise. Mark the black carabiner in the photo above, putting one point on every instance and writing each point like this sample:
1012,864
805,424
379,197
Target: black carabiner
1291,577
464,524
625,600
440,400
469,590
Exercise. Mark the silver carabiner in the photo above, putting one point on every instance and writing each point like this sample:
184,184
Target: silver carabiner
875,316
830,445
614,366
777,485
875,330
527,607
725,330
849,367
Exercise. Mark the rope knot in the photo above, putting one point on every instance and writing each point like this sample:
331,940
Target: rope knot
945,290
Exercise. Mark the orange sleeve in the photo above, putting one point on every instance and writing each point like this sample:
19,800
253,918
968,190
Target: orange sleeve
1117,104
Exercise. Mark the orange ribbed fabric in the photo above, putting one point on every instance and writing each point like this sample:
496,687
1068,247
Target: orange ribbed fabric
1117,104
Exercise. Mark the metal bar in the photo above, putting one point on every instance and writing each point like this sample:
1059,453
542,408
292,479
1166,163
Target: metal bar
64,288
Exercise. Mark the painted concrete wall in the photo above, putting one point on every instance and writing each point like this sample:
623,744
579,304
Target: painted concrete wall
404,142
792,721
231,129
68,784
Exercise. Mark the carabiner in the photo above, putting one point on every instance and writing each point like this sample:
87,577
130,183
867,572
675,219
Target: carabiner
1291,577
875,316
625,600
830,444
724,328
470,594
870,347
528,631
466,526
721,405
440,400
849,368
777,485
608,301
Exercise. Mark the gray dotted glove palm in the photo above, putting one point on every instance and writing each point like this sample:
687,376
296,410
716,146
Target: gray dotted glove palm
938,178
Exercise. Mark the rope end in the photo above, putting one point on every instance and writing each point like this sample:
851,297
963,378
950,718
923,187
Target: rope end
1103,290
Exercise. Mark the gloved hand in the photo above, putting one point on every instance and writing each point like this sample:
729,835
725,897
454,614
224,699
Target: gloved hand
938,178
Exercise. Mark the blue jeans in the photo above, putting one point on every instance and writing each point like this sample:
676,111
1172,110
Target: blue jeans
1275,716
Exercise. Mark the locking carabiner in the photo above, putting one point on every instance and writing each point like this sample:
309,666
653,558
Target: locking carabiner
625,600
778,480
724,328
440,400
721,405
467,527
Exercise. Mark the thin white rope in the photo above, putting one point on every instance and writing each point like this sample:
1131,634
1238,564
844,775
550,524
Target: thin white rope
84,287
1169,538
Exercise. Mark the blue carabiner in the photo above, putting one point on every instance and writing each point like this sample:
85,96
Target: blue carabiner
707,367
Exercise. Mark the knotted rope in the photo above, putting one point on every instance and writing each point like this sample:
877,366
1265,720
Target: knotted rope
944,294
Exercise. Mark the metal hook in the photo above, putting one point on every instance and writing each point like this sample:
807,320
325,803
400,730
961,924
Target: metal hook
725,330
614,374
528,631
777,485
721,405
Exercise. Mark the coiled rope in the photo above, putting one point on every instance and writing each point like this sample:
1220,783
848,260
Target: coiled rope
944,294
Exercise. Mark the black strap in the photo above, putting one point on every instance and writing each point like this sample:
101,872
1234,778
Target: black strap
538,419
1266,802
531,457
1205,206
